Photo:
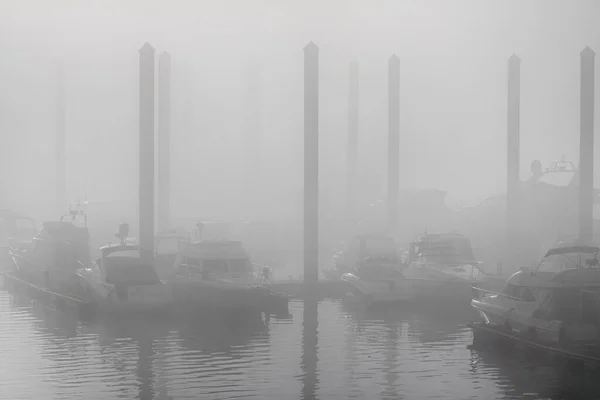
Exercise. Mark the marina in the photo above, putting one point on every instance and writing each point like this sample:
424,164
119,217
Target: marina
290,209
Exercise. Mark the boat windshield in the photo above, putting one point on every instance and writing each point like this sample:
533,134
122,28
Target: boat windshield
562,261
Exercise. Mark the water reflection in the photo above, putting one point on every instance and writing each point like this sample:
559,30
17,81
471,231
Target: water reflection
522,373
344,353
310,342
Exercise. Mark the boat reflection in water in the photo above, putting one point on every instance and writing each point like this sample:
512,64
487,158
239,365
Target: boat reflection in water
527,374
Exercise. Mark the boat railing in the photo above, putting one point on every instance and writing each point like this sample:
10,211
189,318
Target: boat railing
479,293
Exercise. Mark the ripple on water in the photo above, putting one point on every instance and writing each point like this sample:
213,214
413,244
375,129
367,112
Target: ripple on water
341,353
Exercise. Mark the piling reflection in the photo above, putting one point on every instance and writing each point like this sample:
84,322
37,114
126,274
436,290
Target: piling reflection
390,388
310,342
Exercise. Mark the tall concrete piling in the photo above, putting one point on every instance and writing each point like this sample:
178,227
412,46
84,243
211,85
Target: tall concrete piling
311,163
164,141
252,141
513,155
352,149
146,150
61,142
393,142
586,146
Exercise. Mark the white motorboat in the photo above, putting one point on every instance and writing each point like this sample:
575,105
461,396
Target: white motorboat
378,280
357,250
442,267
122,280
219,273
556,302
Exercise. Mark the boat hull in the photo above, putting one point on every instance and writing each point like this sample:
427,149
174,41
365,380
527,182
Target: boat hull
377,291
221,295
439,291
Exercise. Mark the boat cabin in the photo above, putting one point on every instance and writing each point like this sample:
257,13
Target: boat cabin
60,245
364,246
443,249
122,264
214,259
15,229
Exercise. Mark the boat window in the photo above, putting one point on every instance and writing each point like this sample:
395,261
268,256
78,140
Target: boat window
522,293
559,262
216,266
525,294
511,290
238,265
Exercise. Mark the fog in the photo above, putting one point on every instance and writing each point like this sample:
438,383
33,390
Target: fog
453,61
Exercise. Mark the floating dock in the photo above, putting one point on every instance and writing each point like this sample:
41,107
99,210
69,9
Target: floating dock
298,289
277,303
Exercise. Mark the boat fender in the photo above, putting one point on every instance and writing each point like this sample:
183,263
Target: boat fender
532,332
562,336
507,325
392,286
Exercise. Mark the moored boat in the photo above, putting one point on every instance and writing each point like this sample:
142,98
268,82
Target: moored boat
442,268
219,274
123,280
53,258
357,250
378,280
555,303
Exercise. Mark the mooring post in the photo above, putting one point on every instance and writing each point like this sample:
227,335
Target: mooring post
586,146
253,139
146,188
393,142
513,187
61,142
311,163
164,141
352,150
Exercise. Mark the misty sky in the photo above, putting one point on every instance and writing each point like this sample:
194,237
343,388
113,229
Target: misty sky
453,92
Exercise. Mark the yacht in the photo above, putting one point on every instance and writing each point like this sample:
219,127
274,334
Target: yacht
442,267
371,270
53,258
123,280
557,302
357,250
219,273
378,280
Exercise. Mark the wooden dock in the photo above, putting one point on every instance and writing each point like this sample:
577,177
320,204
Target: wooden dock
484,334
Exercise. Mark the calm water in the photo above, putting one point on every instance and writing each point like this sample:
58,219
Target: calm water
339,354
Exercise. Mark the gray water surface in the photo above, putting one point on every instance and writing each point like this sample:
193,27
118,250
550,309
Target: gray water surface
324,351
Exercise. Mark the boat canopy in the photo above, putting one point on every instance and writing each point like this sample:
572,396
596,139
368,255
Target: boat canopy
123,265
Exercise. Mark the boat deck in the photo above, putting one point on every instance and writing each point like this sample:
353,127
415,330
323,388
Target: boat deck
588,352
